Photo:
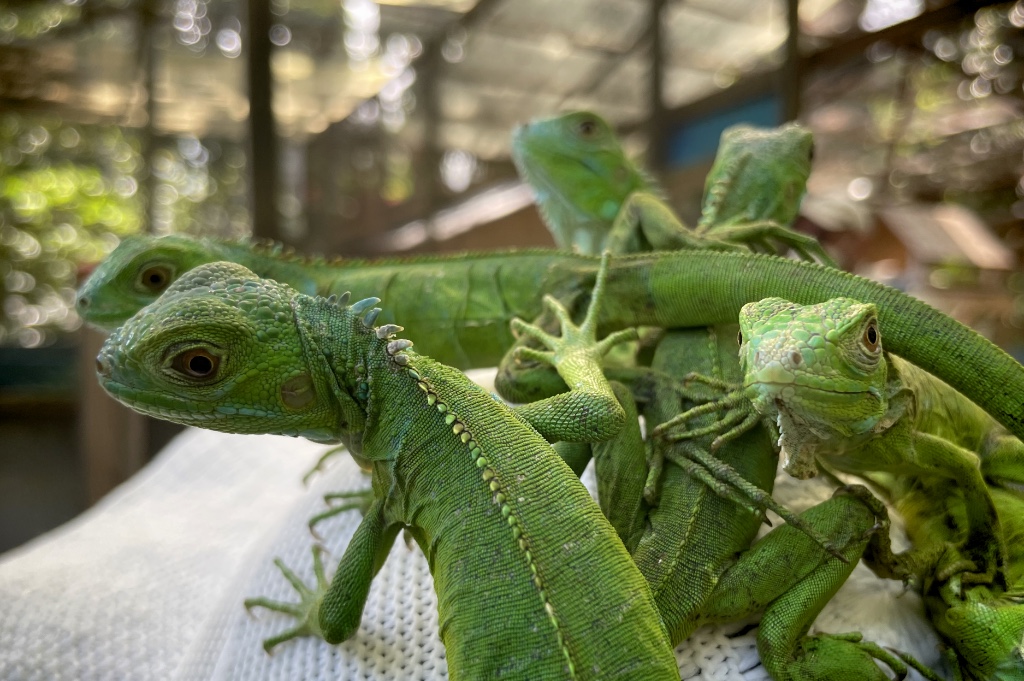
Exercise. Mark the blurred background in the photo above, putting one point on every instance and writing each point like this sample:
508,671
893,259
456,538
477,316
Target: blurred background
357,127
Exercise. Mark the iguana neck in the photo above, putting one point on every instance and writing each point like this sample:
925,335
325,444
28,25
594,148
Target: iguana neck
337,353
715,209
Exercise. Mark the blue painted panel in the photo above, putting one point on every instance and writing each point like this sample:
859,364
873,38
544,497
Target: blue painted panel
697,140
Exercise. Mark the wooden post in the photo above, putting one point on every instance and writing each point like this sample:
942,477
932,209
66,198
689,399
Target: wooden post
789,88
657,133
263,138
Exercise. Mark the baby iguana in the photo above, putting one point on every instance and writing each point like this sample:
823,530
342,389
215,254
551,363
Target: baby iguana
462,305
584,182
532,581
820,375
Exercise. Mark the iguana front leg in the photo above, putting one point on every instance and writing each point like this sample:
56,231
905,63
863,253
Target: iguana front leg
766,233
594,411
357,500
932,456
332,611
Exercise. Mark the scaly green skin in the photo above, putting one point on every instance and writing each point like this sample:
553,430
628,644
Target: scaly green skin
577,169
758,177
983,624
820,373
594,198
532,581
670,290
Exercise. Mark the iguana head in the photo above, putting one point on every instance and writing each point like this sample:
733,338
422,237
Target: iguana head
135,274
226,350
759,173
818,370
577,169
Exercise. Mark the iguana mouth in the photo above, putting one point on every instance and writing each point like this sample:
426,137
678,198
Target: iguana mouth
105,321
776,387
133,397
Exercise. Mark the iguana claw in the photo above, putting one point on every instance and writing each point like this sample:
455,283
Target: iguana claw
306,611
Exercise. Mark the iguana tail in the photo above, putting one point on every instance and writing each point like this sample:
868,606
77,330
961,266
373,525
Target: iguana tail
710,287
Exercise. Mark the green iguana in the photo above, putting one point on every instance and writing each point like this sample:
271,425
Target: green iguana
819,374
463,304
532,581
754,188
692,544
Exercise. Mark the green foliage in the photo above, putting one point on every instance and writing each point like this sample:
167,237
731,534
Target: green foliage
33,19
66,193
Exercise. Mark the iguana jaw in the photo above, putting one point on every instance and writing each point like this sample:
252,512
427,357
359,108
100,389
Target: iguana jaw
826,412
804,414
224,417
105,321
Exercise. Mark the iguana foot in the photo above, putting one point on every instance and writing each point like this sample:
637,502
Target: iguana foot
847,656
739,415
306,611
358,500
575,340
319,467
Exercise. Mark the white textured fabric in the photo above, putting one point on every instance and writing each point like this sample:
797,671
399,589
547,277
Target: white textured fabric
148,585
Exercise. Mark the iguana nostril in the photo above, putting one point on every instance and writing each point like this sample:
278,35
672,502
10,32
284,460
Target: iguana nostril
795,357
102,365
83,302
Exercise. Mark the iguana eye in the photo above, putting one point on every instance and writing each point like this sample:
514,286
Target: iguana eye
196,363
871,337
587,127
155,278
